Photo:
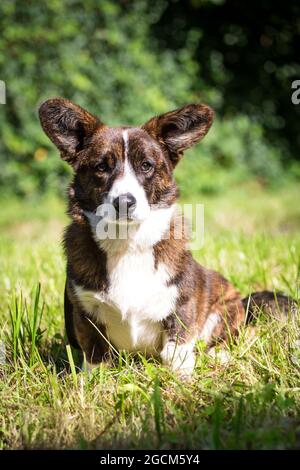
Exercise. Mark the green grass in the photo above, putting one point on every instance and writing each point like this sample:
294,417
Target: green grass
252,237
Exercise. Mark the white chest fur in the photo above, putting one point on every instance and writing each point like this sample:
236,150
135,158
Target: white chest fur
137,301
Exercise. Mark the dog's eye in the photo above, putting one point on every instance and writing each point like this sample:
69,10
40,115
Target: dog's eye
101,167
146,166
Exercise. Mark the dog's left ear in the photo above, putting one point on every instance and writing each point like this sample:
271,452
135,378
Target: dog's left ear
180,129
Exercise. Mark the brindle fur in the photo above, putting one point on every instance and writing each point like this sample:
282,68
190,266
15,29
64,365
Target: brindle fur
84,141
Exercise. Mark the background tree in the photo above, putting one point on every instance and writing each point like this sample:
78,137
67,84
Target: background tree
248,54
130,59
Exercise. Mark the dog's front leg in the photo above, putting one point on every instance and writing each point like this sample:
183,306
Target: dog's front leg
83,333
91,338
178,346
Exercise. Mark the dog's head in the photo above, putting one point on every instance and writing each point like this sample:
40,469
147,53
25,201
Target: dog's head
127,167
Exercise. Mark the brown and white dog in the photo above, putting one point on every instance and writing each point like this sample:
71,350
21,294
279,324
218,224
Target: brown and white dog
143,292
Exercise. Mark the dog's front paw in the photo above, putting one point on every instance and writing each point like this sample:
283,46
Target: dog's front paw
180,358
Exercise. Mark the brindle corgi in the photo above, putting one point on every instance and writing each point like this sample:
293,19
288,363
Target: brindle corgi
143,292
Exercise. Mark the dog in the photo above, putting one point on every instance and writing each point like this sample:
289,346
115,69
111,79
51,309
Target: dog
143,292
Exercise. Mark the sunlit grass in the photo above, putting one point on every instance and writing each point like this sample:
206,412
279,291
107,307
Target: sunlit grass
253,402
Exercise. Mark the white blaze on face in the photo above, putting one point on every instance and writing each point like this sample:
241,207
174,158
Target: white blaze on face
128,183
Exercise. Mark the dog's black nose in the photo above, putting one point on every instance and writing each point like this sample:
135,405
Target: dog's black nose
123,203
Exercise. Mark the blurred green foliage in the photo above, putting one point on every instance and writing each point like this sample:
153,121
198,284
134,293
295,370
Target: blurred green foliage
247,56
108,56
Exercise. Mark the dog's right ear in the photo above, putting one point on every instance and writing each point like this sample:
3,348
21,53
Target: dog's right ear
180,129
68,126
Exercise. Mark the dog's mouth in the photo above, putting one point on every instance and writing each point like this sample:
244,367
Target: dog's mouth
123,220
123,213
107,215
125,217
